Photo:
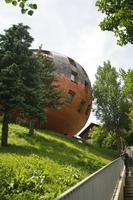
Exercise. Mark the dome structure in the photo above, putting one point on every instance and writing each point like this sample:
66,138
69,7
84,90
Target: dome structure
75,84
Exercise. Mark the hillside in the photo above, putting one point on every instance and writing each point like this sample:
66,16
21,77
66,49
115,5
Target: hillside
44,166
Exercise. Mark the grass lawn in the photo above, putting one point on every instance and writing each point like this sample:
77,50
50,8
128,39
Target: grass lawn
44,166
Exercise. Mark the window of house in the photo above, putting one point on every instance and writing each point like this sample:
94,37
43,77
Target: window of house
70,96
88,109
74,76
72,62
81,105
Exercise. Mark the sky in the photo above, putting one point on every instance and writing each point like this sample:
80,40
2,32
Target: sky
72,28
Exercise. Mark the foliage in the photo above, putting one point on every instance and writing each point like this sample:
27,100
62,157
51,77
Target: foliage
97,135
118,19
14,55
103,138
128,83
25,79
45,165
111,105
128,91
26,6
129,137
13,50
39,92
35,182
131,120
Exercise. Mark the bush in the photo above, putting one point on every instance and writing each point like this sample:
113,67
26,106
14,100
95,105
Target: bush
1,118
103,138
23,122
35,182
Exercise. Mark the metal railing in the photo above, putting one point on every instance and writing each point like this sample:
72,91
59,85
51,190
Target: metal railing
99,186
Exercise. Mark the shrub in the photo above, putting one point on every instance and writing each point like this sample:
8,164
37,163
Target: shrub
103,138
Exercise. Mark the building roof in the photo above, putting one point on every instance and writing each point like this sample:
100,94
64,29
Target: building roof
87,129
65,65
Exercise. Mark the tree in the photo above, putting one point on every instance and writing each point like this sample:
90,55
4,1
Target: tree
26,6
128,84
103,138
118,19
14,53
25,79
128,91
40,93
111,106
131,121
33,91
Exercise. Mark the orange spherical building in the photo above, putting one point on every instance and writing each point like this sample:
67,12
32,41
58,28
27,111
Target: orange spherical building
75,84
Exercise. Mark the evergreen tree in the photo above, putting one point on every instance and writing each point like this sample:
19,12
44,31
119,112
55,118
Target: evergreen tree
25,79
40,93
14,53
33,91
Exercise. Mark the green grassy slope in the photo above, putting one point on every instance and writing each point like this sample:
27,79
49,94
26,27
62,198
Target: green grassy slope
45,165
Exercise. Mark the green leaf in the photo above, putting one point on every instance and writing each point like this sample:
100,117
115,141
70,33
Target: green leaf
8,1
21,5
118,17
23,11
14,3
30,12
33,6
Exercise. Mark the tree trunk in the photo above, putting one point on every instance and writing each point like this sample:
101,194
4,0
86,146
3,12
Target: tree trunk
4,137
31,128
118,141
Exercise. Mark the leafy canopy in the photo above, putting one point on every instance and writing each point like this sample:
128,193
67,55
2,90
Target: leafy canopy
118,19
128,91
128,84
103,138
14,54
26,6
111,105
106,93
